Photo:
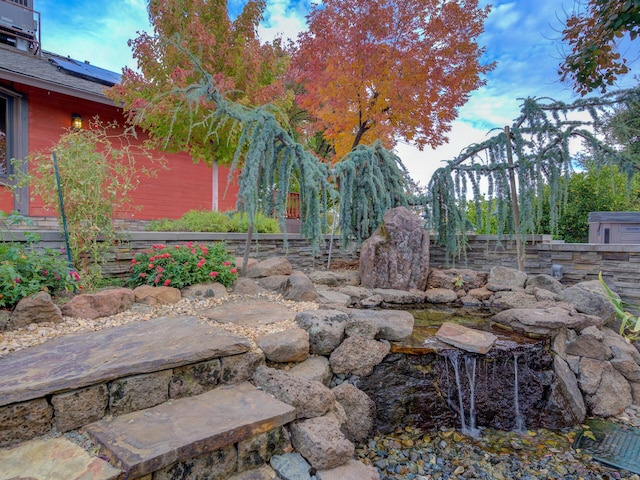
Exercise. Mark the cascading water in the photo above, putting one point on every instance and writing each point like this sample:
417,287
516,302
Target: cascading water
430,384
519,419
462,396
470,371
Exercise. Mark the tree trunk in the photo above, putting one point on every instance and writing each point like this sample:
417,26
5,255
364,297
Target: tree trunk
514,201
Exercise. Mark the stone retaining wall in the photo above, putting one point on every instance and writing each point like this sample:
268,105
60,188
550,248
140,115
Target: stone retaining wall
620,264
75,408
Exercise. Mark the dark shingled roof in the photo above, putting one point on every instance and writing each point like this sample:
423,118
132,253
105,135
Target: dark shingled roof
41,72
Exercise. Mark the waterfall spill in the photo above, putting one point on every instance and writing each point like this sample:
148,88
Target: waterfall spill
470,370
519,418
468,417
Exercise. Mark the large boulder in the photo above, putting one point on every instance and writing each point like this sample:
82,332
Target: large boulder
505,300
456,279
246,286
288,346
313,368
546,282
395,325
331,297
544,321
325,327
358,355
503,278
335,278
270,266
299,287
566,404
589,298
36,308
157,295
589,344
441,295
397,254
321,442
102,304
613,395
309,398
400,297
360,410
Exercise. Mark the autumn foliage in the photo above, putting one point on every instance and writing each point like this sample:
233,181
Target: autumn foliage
365,70
245,70
594,62
374,69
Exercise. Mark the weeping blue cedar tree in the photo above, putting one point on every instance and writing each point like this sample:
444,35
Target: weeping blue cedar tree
371,179
540,139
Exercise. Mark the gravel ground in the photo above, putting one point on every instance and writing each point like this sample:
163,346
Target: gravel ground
34,334
411,454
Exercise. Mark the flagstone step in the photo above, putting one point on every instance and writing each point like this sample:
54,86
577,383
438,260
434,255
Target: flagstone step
149,440
53,459
76,361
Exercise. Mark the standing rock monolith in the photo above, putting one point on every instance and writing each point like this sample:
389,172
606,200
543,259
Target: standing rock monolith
397,254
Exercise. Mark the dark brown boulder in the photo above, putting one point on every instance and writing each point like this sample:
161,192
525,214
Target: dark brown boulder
36,308
397,254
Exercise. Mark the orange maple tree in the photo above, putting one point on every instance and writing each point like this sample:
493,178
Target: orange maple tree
374,69
245,71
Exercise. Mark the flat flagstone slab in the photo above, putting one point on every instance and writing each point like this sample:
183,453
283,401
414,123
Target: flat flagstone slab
250,314
53,459
148,440
465,338
75,361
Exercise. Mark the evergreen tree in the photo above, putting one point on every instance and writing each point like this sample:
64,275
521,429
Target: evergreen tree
371,179
539,139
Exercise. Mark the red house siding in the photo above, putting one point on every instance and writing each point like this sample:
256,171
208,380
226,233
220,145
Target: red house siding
182,187
6,200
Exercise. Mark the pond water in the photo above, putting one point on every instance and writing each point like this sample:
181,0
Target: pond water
429,320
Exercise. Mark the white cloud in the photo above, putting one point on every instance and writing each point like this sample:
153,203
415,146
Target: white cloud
421,165
282,18
93,31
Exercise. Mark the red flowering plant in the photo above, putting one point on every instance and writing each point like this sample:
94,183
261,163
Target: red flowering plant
183,265
25,270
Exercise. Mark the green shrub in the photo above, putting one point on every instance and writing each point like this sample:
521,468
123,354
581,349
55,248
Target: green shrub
203,221
262,224
183,265
24,271
207,221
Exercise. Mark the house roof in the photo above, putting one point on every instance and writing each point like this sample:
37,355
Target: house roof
56,73
614,217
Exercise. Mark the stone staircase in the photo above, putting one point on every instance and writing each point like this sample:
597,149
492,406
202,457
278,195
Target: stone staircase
162,399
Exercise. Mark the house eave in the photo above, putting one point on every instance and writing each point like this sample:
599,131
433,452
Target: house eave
54,87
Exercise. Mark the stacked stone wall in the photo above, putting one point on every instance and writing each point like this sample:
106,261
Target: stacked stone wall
620,264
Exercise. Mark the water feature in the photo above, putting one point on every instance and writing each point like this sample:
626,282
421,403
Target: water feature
426,383
520,422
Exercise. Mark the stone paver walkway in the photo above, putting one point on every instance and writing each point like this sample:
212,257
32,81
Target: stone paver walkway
53,459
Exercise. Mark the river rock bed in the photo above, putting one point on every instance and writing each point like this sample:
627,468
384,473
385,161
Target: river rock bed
412,454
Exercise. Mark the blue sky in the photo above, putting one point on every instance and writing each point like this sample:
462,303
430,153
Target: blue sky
522,36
